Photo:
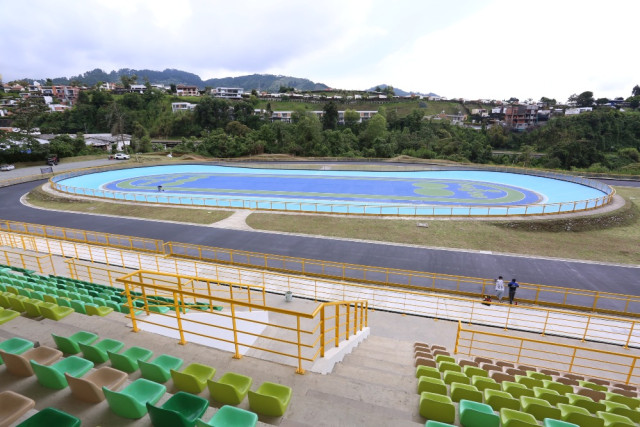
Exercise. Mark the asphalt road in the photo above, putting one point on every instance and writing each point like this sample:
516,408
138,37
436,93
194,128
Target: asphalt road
562,273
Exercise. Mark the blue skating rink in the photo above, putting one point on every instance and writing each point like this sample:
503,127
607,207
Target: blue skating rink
452,192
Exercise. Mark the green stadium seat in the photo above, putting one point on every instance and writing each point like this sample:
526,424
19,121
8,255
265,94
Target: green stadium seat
483,383
18,364
52,376
461,391
499,399
98,310
97,353
32,307
17,302
593,386
551,396
54,311
273,399
516,389
477,414
231,416
70,345
159,369
131,402
50,298
51,417
193,378
586,402
539,376
127,361
631,402
550,422
78,306
615,420
621,409
528,381
232,388
580,416
427,371
511,418
559,387
451,377
432,385
181,410
539,408
435,407
472,371
449,366
15,345
443,358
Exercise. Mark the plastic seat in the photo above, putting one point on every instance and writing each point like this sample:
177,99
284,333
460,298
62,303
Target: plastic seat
477,414
511,418
539,408
18,364
50,298
499,377
131,402
593,386
593,394
17,302
52,417
451,377
550,422
181,410
551,396
193,378
481,359
89,388
539,376
433,407
97,310
499,399
465,362
461,392
54,311
580,416
15,345
127,361
449,366
615,420
4,300
13,406
472,371
230,416
53,376
78,306
63,302
7,315
114,305
159,369
70,345
427,371
631,402
32,307
528,381
230,389
425,361
97,353
442,358
432,385
432,423
620,409
483,383
586,402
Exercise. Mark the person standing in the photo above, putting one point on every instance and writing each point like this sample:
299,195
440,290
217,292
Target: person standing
499,288
513,285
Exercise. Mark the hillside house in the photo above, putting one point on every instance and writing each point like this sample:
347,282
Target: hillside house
521,117
187,90
227,92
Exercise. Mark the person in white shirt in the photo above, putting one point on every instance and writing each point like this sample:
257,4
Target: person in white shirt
499,288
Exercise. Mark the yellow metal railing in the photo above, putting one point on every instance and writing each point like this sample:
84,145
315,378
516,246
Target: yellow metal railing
578,325
528,293
590,362
42,264
302,336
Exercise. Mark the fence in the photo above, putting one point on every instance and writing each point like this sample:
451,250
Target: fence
289,334
593,363
177,253
578,325
40,263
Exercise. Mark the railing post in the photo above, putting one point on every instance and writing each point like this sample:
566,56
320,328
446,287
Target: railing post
347,322
633,325
546,320
586,329
322,331
595,301
631,368
237,354
300,370
573,358
132,309
337,325
520,350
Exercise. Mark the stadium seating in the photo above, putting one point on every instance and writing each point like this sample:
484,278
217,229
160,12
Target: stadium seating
18,364
477,414
433,407
89,388
273,399
15,345
70,345
52,417
52,376
158,370
193,378
230,389
13,406
127,361
181,410
132,401
230,416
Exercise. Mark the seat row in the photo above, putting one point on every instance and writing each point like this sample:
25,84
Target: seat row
54,371
542,399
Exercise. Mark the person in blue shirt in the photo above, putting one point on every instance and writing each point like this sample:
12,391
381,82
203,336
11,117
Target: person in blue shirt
513,285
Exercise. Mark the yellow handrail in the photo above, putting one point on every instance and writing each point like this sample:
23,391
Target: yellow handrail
590,362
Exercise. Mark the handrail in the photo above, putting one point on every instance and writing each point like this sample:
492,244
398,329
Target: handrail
40,263
543,295
609,365
147,280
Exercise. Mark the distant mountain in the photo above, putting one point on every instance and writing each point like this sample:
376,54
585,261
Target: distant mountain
265,82
400,92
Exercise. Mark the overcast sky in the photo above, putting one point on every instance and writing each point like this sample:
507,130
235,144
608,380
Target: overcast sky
471,49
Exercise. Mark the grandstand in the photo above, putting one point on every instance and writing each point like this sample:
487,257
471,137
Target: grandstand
178,330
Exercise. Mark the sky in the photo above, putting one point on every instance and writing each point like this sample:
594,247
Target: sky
472,49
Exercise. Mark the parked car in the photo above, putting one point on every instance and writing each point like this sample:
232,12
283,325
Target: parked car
121,156
7,167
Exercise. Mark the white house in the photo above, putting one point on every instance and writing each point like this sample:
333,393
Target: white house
227,92
182,106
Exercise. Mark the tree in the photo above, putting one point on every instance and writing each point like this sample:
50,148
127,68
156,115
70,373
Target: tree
602,101
127,81
26,112
330,117
635,91
634,101
376,128
548,102
351,119
585,99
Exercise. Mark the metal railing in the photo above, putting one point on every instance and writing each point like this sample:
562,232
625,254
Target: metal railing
41,263
292,334
174,253
578,325
608,365
355,209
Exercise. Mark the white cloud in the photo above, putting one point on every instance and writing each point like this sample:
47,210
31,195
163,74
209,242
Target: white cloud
471,49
